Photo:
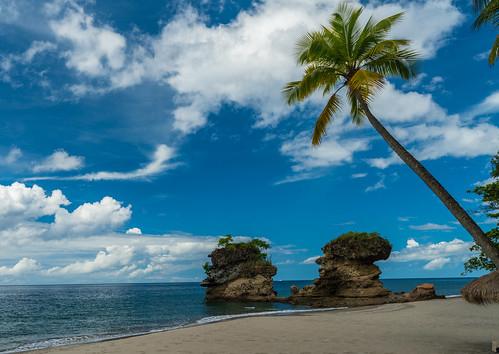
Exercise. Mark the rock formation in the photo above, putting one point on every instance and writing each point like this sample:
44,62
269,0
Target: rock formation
349,277
239,272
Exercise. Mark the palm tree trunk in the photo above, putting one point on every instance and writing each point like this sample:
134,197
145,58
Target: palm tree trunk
457,210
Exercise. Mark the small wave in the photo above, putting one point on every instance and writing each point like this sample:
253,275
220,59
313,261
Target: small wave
83,339
58,342
86,339
452,296
221,318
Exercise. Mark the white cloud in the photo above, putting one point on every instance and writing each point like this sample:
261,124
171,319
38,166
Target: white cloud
159,163
25,265
91,218
85,241
489,105
411,243
310,260
9,62
405,218
332,151
377,186
436,255
12,156
94,50
437,263
415,81
451,138
481,56
359,175
394,106
436,83
297,177
134,231
21,208
19,202
243,62
431,226
255,51
59,160
36,48
112,257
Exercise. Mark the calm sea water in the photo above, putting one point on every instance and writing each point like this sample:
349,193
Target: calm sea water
42,316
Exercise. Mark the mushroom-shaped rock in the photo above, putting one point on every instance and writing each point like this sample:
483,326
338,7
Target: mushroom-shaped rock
360,246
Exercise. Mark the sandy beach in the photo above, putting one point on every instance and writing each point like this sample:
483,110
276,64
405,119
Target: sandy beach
437,326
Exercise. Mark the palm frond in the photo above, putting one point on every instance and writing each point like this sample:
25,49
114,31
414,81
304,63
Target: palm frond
356,112
365,83
384,26
489,13
478,5
333,105
361,55
315,77
494,51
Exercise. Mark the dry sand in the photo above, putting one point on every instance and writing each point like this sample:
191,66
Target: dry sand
437,326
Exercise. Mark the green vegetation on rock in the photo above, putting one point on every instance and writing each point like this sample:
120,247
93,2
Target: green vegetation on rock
230,252
359,245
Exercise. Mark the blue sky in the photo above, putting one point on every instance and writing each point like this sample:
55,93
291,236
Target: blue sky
165,118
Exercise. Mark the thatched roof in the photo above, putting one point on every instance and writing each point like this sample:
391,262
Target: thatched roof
484,290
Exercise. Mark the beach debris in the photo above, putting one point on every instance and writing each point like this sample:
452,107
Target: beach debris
239,271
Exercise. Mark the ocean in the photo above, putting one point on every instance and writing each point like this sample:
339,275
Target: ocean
40,316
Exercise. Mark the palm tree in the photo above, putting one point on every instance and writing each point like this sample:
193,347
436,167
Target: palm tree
489,12
358,58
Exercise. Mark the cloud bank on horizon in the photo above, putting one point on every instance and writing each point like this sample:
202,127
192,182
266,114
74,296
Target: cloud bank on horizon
90,243
208,66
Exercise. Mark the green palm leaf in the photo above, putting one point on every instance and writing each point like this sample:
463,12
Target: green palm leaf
349,53
333,105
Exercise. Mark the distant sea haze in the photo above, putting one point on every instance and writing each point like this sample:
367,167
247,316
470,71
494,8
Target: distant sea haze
35,317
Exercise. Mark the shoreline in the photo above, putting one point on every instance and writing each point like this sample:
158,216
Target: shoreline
430,327
283,316
201,322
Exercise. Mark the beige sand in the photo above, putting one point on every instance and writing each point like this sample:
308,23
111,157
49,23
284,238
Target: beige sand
438,326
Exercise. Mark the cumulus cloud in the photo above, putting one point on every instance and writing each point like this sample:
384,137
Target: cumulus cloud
159,163
134,231
411,243
452,138
59,160
24,266
244,62
436,255
90,218
112,257
22,207
94,50
37,228
19,202
431,227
